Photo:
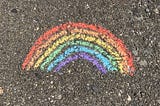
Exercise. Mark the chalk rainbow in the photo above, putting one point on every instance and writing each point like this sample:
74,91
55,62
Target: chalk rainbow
72,41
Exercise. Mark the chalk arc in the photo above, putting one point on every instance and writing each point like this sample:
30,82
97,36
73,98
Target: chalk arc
76,49
51,36
80,42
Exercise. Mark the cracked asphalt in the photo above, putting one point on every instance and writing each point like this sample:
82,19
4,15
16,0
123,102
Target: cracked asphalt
136,22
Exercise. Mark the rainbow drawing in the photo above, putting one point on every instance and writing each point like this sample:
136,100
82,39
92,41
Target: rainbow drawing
72,41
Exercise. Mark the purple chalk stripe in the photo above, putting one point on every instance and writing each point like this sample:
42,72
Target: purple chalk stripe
85,56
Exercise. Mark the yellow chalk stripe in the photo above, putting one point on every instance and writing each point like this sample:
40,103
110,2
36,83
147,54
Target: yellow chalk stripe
108,40
88,32
79,36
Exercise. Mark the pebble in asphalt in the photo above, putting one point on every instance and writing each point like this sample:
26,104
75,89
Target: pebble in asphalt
1,90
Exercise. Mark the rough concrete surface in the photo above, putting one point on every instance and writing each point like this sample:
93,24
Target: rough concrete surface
136,22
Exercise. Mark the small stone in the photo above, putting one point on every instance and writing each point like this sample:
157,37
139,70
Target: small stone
59,97
34,8
129,98
156,11
147,10
135,52
143,63
52,101
52,96
36,84
1,91
69,71
51,82
119,94
37,28
87,6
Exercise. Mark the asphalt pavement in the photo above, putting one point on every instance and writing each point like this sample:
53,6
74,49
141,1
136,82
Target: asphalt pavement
136,22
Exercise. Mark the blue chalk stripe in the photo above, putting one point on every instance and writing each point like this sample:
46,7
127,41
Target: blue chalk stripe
74,49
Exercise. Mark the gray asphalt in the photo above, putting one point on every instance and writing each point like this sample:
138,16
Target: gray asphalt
136,22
